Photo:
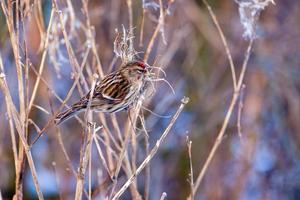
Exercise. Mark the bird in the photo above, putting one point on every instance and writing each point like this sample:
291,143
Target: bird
115,92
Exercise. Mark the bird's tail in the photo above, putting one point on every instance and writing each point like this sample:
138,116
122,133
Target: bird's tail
61,117
67,114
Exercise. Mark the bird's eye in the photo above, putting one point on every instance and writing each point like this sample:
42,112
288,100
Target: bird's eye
140,71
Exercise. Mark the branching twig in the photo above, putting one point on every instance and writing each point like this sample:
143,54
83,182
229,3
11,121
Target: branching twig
42,64
19,128
184,101
233,102
85,147
225,122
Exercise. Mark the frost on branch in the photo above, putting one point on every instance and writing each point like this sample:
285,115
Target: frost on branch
123,45
249,13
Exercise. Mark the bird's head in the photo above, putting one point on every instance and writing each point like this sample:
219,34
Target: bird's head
135,70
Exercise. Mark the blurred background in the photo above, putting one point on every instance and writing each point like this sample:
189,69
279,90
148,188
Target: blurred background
262,163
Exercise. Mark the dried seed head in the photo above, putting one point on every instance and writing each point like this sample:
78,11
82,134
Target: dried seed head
123,45
249,11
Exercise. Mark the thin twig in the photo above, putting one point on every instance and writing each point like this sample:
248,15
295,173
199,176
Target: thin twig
128,134
86,145
157,29
13,110
224,41
162,21
233,102
95,138
191,180
15,43
91,38
134,145
70,92
240,108
142,26
57,180
151,42
61,144
226,120
129,6
42,64
10,121
184,101
90,168
147,170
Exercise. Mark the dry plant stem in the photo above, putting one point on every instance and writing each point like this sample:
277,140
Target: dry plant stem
137,110
108,137
224,41
19,118
152,40
26,101
114,16
72,58
63,102
91,38
133,138
38,16
84,158
61,144
226,120
117,127
60,141
68,160
134,147
11,125
142,28
90,167
147,170
128,171
239,117
50,121
147,175
129,5
162,21
106,133
128,135
72,14
191,168
20,130
73,62
184,101
106,146
101,155
14,38
157,29
85,147
42,64
57,181
100,71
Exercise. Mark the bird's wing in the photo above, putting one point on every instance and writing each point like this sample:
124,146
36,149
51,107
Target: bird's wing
113,87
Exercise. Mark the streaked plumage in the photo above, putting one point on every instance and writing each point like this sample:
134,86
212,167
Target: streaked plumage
113,93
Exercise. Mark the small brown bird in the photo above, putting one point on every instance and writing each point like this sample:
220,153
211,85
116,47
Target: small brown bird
116,91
